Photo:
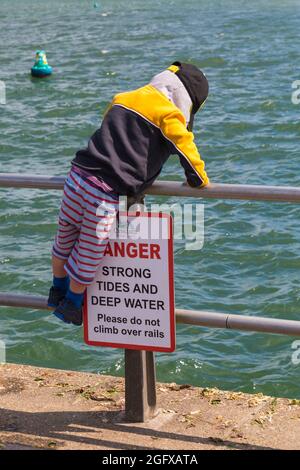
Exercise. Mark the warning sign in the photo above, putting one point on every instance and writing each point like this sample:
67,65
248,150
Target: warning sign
131,302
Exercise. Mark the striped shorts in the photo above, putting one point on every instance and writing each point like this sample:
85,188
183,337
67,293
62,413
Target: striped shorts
87,214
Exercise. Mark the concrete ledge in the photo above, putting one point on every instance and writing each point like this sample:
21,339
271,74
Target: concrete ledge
54,409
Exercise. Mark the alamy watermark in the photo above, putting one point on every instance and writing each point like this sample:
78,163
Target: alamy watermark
2,93
188,222
2,352
296,354
296,93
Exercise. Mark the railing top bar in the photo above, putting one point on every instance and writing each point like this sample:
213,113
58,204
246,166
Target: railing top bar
15,180
170,188
227,191
191,317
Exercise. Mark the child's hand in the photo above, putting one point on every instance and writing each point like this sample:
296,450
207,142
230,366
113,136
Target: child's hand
185,183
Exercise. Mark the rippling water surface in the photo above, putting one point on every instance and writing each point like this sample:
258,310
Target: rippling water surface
248,132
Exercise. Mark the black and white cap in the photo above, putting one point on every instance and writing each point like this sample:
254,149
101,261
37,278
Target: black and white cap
195,83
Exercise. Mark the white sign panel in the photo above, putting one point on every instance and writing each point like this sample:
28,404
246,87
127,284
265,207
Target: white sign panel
131,302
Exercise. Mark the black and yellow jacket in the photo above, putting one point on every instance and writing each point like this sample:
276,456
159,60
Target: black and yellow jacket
141,129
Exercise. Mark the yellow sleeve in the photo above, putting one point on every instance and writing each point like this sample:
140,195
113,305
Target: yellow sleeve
173,126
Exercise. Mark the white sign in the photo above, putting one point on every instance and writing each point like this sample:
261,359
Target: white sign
131,302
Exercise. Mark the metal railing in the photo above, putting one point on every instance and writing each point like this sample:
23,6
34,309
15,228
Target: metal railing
190,317
170,188
140,393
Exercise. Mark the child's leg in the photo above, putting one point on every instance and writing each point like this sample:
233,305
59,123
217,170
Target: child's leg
64,241
99,216
76,287
81,266
58,267
68,231
60,282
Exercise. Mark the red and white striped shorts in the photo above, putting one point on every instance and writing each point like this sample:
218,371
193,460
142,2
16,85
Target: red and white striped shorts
88,211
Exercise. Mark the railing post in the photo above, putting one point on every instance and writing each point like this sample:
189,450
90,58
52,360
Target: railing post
140,377
140,385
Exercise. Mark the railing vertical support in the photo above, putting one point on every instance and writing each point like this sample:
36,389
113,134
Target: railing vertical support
140,385
140,377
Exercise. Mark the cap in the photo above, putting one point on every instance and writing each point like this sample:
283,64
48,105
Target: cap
195,83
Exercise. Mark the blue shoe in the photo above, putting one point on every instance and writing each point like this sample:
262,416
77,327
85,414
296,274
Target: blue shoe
69,313
56,295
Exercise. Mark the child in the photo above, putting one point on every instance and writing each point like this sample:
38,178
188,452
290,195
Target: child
140,130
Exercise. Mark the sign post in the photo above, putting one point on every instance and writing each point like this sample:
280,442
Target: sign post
130,305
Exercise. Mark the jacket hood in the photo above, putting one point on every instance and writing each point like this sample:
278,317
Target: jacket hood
172,87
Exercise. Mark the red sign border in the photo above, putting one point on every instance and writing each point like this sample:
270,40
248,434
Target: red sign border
171,293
